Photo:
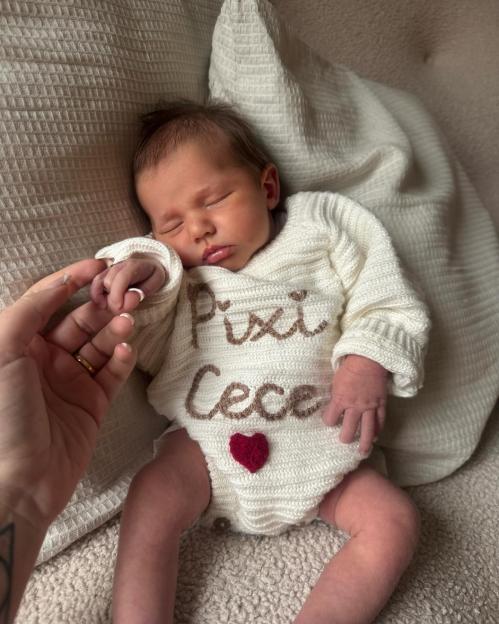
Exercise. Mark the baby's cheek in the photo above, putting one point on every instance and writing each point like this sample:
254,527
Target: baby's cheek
180,247
188,260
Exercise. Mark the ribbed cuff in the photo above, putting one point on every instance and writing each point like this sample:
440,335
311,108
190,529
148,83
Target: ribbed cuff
390,346
154,307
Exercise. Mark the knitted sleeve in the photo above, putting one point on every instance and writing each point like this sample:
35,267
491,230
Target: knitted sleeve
383,317
154,316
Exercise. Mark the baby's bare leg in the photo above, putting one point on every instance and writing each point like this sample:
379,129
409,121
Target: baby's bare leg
383,525
165,498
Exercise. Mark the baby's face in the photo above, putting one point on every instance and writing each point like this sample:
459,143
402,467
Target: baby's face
207,206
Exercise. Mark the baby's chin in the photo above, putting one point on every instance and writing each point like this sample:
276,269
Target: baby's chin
224,264
231,264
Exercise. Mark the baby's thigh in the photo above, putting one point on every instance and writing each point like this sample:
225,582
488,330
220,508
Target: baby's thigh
365,501
175,484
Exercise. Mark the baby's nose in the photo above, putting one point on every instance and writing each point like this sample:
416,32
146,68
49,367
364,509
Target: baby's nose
200,225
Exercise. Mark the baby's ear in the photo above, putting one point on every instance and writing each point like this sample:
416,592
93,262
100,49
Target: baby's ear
271,185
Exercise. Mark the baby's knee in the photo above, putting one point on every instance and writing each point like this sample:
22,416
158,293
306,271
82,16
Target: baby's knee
408,516
151,483
167,493
400,521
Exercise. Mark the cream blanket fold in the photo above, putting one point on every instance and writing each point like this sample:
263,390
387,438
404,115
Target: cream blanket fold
328,129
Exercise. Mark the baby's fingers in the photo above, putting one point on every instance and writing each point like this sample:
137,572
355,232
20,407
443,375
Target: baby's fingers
368,430
333,413
380,418
154,281
142,277
141,290
98,292
119,279
351,420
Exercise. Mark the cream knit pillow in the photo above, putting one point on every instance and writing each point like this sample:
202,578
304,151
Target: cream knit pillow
328,129
75,74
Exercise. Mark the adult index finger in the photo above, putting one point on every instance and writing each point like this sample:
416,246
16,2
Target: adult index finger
29,314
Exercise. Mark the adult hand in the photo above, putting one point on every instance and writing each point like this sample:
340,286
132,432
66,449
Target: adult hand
50,404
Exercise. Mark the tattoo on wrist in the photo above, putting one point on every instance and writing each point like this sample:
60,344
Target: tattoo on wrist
7,536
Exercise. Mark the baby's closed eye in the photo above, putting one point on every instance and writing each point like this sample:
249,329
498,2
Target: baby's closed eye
218,200
172,227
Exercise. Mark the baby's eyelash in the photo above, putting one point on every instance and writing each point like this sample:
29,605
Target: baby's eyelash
216,201
173,228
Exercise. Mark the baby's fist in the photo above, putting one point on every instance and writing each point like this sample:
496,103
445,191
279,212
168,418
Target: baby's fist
122,286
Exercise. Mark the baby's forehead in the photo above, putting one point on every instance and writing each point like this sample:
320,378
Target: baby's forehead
213,141
210,151
215,148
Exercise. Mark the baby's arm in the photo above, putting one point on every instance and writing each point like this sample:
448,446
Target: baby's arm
358,392
384,324
155,271
122,286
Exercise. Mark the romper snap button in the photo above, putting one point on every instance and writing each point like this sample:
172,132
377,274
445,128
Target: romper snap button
221,524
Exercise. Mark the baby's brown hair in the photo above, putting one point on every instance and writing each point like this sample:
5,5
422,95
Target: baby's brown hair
174,123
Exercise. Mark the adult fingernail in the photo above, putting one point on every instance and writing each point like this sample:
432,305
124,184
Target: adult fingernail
126,346
129,317
140,293
60,281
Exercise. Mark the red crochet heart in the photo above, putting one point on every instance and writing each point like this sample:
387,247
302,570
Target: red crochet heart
250,451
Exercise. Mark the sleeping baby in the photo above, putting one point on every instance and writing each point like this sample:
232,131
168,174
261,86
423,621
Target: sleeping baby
274,330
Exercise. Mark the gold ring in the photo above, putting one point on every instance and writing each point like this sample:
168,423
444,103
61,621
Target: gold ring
85,363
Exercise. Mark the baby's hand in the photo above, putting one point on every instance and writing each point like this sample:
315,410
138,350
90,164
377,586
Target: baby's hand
122,286
358,395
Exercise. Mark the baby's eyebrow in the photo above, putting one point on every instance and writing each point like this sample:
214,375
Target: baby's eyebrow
204,192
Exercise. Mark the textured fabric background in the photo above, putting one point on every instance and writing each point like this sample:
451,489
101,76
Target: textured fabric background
75,75
444,52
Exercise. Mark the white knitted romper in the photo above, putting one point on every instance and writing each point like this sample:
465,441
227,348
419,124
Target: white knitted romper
244,361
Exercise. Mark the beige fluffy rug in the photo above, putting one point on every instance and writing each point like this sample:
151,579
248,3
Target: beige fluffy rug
241,579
